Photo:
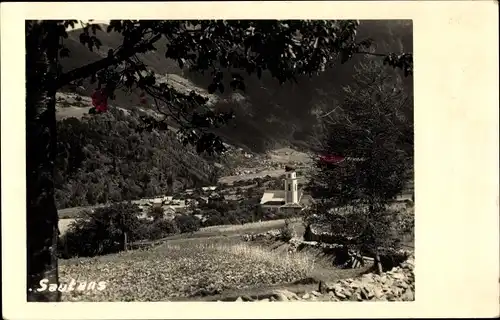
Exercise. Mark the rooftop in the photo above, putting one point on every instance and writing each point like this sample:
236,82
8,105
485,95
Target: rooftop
274,203
292,205
276,193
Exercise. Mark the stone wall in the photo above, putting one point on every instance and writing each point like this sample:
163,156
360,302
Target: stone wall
315,232
269,235
397,284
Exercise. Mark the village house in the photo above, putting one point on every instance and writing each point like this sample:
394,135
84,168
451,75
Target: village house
289,200
209,188
215,197
202,200
157,202
233,197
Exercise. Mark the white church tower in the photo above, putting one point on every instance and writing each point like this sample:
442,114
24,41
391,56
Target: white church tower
291,193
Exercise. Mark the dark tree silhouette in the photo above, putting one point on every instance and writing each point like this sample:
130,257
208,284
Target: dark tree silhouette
373,130
284,49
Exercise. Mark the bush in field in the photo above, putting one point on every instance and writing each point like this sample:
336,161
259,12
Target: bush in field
161,228
187,223
406,222
287,232
217,219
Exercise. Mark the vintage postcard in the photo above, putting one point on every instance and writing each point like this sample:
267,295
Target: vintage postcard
334,159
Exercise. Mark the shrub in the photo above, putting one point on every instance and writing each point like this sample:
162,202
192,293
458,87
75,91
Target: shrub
187,223
161,228
214,220
287,232
406,223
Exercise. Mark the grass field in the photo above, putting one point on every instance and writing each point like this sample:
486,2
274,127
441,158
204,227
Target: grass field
187,269
252,227
213,263
210,264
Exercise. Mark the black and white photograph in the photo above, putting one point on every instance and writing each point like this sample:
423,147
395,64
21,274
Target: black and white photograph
219,160
182,160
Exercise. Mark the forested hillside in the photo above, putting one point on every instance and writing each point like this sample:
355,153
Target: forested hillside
267,114
107,157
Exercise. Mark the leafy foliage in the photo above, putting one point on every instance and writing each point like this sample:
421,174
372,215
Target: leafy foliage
187,223
103,231
286,232
160,228
285,49
232,212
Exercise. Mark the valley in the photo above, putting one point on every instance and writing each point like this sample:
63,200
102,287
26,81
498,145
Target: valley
273,176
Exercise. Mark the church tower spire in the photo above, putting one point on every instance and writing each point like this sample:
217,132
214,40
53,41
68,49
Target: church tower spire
291,192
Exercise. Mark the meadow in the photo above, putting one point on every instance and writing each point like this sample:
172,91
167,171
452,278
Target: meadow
184,269
212,263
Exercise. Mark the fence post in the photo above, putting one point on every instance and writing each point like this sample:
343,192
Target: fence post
125,245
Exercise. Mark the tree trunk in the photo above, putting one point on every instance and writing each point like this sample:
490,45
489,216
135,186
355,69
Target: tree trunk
41,213
378,263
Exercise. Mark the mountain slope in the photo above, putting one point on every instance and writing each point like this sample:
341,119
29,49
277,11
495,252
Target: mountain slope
268,114
107,157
